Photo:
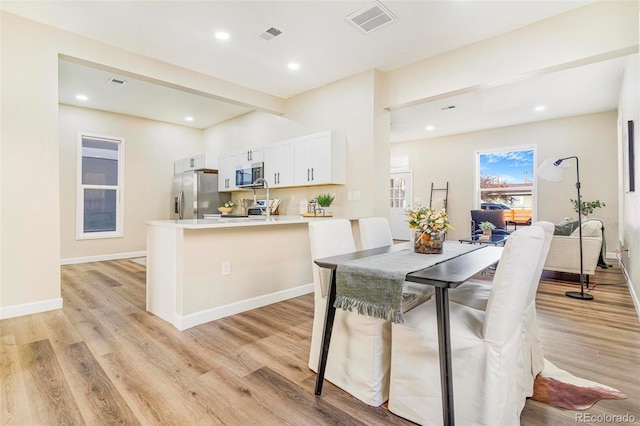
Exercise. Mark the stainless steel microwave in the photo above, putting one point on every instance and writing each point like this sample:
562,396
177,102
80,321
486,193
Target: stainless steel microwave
247,173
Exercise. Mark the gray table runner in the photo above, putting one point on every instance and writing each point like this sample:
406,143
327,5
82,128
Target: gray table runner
372,286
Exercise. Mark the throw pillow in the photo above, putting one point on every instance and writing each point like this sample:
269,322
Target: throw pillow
565,228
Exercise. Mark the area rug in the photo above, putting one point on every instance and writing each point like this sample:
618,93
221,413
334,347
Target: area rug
561,389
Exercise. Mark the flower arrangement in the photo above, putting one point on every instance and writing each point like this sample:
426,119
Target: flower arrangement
587,207
428,220
229,204
486,226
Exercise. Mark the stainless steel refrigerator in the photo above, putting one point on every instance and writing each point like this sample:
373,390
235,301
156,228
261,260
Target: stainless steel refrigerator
196,193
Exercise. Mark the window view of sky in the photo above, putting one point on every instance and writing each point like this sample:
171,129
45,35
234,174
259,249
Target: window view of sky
510,167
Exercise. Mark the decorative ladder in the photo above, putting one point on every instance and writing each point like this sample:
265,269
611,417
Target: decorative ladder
439,190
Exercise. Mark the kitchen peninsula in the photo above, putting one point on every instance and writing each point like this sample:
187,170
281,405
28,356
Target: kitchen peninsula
200,270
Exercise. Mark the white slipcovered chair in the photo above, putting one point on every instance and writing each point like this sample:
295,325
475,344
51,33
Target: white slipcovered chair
376,232
475,294
360,350
486,347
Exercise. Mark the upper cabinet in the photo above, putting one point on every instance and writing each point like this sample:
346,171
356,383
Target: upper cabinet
229,163
197,162
255,155
227,171
320,159
278,164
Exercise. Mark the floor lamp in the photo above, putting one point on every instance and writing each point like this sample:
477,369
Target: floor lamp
553,170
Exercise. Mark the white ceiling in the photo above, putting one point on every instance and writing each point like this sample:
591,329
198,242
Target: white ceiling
315,34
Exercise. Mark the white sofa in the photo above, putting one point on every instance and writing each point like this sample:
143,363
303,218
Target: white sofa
564,254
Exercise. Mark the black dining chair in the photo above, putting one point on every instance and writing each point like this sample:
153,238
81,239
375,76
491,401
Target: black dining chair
494,216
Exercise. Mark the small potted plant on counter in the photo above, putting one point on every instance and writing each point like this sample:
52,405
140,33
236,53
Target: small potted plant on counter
227,208
324,201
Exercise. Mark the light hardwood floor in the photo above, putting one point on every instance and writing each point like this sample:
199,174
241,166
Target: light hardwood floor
103,359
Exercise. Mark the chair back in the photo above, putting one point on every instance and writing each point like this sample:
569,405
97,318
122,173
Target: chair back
548,229
514,277
328,237
494,216
374,232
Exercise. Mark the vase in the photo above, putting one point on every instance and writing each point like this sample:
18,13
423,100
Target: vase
428,243
486,235
225,210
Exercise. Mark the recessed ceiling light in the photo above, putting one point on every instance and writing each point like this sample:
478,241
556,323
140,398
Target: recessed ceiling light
189,118
540,108
293,66
82,97
429,128
222,35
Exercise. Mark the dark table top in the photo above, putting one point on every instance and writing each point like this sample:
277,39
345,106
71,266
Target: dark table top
450,273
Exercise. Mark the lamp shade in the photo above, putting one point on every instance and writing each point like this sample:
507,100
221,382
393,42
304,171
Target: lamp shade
551,171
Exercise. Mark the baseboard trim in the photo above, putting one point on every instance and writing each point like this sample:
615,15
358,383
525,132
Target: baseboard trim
197,318
102,257
611,255
30,308
634,298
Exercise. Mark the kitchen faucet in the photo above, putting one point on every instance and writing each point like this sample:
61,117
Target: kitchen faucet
265,185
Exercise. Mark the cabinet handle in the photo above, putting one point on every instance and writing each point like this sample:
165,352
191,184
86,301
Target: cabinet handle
312,173
275,179
308,175
278,177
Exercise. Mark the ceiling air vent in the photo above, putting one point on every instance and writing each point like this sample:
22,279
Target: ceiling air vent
270,34
118,82
371,17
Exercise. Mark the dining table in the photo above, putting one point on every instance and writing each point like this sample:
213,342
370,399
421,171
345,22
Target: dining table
447,274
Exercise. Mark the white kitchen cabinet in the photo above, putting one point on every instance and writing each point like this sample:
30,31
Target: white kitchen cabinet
320,159
196,162
278,164
227,170
254,155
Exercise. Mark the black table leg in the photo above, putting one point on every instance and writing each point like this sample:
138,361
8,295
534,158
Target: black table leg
326,334
444,346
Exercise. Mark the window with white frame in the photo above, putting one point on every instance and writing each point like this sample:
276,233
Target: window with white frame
100,191
505,178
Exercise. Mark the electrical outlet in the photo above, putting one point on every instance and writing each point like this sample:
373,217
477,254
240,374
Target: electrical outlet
226,268
356,195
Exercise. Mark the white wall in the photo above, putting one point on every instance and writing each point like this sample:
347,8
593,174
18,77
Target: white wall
630,201
590,137
30,270
150,150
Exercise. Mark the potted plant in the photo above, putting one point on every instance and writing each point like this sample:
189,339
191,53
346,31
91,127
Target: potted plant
324,201
486,227
587,207
430,226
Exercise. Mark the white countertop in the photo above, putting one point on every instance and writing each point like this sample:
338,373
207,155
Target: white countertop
223,222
